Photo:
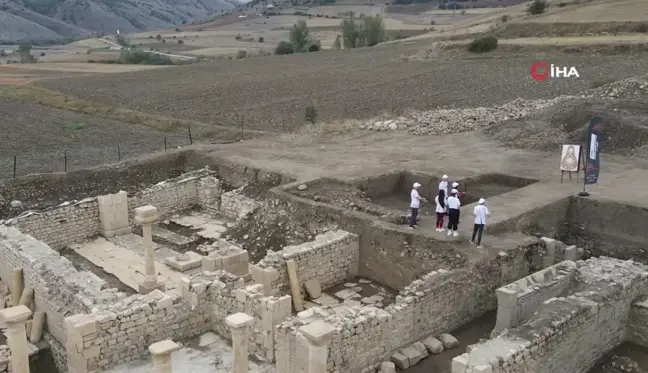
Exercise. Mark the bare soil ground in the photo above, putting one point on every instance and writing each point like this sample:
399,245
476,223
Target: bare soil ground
273,92
626,124
39,136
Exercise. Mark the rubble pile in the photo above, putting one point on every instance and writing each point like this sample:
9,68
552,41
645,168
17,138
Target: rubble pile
447,121
627,89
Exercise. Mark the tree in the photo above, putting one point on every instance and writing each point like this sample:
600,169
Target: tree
537,7
373,30
261,39
300,37
483,44
284,47
367,32
158,37
25,54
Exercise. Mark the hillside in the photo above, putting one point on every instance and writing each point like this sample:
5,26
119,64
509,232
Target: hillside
31,20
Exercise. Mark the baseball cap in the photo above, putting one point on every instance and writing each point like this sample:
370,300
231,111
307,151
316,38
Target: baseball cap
416,185
445,177
455,184
481,201
454,191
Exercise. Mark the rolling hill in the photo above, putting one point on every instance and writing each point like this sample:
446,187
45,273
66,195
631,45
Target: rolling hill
50,20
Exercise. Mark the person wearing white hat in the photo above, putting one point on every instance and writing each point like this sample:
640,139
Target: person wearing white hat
460,194
453,213
415,204
480,213
443,185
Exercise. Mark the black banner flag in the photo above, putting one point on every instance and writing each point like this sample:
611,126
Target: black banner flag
592,162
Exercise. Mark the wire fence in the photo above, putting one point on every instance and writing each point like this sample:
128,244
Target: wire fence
71,158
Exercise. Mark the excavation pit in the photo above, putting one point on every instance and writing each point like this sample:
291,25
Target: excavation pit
603,227
388,195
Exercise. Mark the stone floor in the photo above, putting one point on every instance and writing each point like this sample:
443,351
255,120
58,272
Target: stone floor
355,293
207,354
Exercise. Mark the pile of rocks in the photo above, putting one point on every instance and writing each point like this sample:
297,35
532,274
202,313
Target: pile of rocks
447,121
627,89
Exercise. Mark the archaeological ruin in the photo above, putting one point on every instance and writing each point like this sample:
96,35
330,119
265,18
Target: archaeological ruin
146,266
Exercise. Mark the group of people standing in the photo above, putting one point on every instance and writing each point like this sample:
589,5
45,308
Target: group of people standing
449,204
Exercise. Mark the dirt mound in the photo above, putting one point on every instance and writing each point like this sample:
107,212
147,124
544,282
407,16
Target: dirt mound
625,128
635,89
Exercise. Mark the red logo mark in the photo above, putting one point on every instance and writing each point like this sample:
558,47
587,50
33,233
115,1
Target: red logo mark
539,70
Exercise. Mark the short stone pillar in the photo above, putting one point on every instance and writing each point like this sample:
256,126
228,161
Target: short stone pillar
113,214
15,319
161,352
238,324
318,334
146,216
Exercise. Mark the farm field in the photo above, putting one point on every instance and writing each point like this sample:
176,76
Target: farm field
40,136
343,84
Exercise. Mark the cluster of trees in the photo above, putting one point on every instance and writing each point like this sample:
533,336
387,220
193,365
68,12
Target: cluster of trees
301,41
24,51
357,32
138,58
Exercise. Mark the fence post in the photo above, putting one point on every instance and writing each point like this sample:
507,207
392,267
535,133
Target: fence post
118,152
242,134
283,125
165,142
65,159
190,137
15,161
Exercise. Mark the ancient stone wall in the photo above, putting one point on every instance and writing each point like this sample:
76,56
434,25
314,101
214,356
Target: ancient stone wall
209,195
637,332
438,303
567,335
63,225
170,196
59,289
516,302
330,259
235,205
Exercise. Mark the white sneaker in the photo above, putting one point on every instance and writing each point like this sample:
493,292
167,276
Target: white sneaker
455,233
438,229
471,242
480,246
449,233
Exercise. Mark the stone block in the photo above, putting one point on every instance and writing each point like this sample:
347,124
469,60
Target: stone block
433,345
239,320
413,355
387,367
346,293
163,347
144,288
211,264
146,214
571,253
448,341
421,348
318,332
15,314
459,364
186,262
400,360
313,288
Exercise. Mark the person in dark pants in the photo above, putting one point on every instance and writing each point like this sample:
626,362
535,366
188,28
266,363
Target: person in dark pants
480,213
453,213
415,204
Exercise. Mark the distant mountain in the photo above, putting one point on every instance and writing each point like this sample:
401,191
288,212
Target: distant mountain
46,20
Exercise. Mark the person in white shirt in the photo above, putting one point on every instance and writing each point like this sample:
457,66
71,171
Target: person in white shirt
443,185
415,204
441,208
453,213
480,213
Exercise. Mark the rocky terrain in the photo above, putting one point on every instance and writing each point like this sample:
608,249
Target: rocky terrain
26,21
544,124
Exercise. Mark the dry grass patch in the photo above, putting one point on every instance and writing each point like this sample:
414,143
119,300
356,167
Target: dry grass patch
57,100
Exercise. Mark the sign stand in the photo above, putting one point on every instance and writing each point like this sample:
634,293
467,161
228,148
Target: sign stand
592,164
581,159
